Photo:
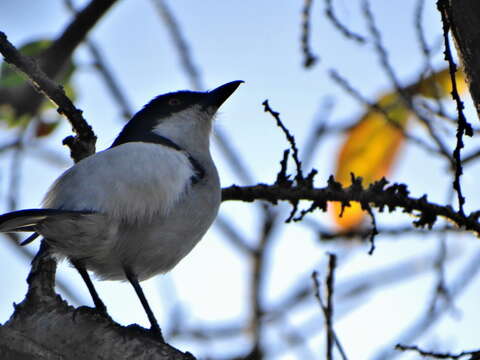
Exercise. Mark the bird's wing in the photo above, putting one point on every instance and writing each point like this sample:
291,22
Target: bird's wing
132,182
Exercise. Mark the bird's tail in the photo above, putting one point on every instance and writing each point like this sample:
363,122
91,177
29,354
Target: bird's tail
27,220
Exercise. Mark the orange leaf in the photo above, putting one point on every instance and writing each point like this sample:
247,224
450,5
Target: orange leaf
440,80
373,144
369,151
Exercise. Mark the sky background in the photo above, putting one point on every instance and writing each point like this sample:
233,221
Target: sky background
258,42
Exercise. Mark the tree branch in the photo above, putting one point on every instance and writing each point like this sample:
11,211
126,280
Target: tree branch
378,195
83,144
464,18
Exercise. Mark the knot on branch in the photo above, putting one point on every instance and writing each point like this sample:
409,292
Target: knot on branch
80,148
427,217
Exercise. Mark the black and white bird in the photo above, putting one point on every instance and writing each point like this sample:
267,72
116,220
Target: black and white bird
137,208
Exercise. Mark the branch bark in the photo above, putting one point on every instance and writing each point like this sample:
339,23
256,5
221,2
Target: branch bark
378,195
44,326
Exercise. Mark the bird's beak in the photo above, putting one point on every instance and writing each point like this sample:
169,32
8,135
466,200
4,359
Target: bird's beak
215,98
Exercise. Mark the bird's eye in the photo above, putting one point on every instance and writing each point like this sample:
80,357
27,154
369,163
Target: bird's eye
174,102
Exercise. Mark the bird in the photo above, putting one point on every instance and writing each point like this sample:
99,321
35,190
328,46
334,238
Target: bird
136,209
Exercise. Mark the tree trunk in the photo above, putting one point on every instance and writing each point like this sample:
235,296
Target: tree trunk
464,19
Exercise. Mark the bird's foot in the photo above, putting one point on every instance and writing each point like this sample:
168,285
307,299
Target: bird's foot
157,333
102,310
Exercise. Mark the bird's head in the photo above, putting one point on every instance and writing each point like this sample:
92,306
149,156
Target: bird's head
184,117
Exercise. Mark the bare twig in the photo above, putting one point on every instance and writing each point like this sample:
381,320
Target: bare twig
427,55
339,26
180,43
376,107
377,195
105,71
319,129
325,234
329,289
374,230
291,140
381,51
55,58
426,321
233,235
194,76
16,171
327,308
309,58
471,157
84,143
232,156
464,126
474,355
404,93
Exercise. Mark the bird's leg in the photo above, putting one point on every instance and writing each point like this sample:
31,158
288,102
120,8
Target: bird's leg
99,305
153,321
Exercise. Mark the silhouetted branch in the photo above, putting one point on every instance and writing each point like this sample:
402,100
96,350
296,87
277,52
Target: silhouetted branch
84,143
374,106
233,236
308,58
463,19
463,126
424,322
105,71
427,55
291,140
474,355
404,93
327,308
180,43
257,282
55,59
342,28
378,195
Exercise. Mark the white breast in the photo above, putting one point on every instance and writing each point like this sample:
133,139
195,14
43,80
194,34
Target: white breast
131,182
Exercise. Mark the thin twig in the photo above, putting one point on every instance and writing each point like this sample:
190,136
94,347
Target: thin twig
105,71
472,156
431,354
183,49
233,235
309,58
427,55
291,140
318,130
258,282
327,308
464,126
194,76
421,324
339,26
378,195
404,93
16,171
376,107
329,289
373,231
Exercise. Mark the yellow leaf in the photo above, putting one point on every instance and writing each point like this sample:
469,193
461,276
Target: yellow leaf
373,144
440,80
369,151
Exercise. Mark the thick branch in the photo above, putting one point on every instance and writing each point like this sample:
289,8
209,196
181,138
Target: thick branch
377,195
